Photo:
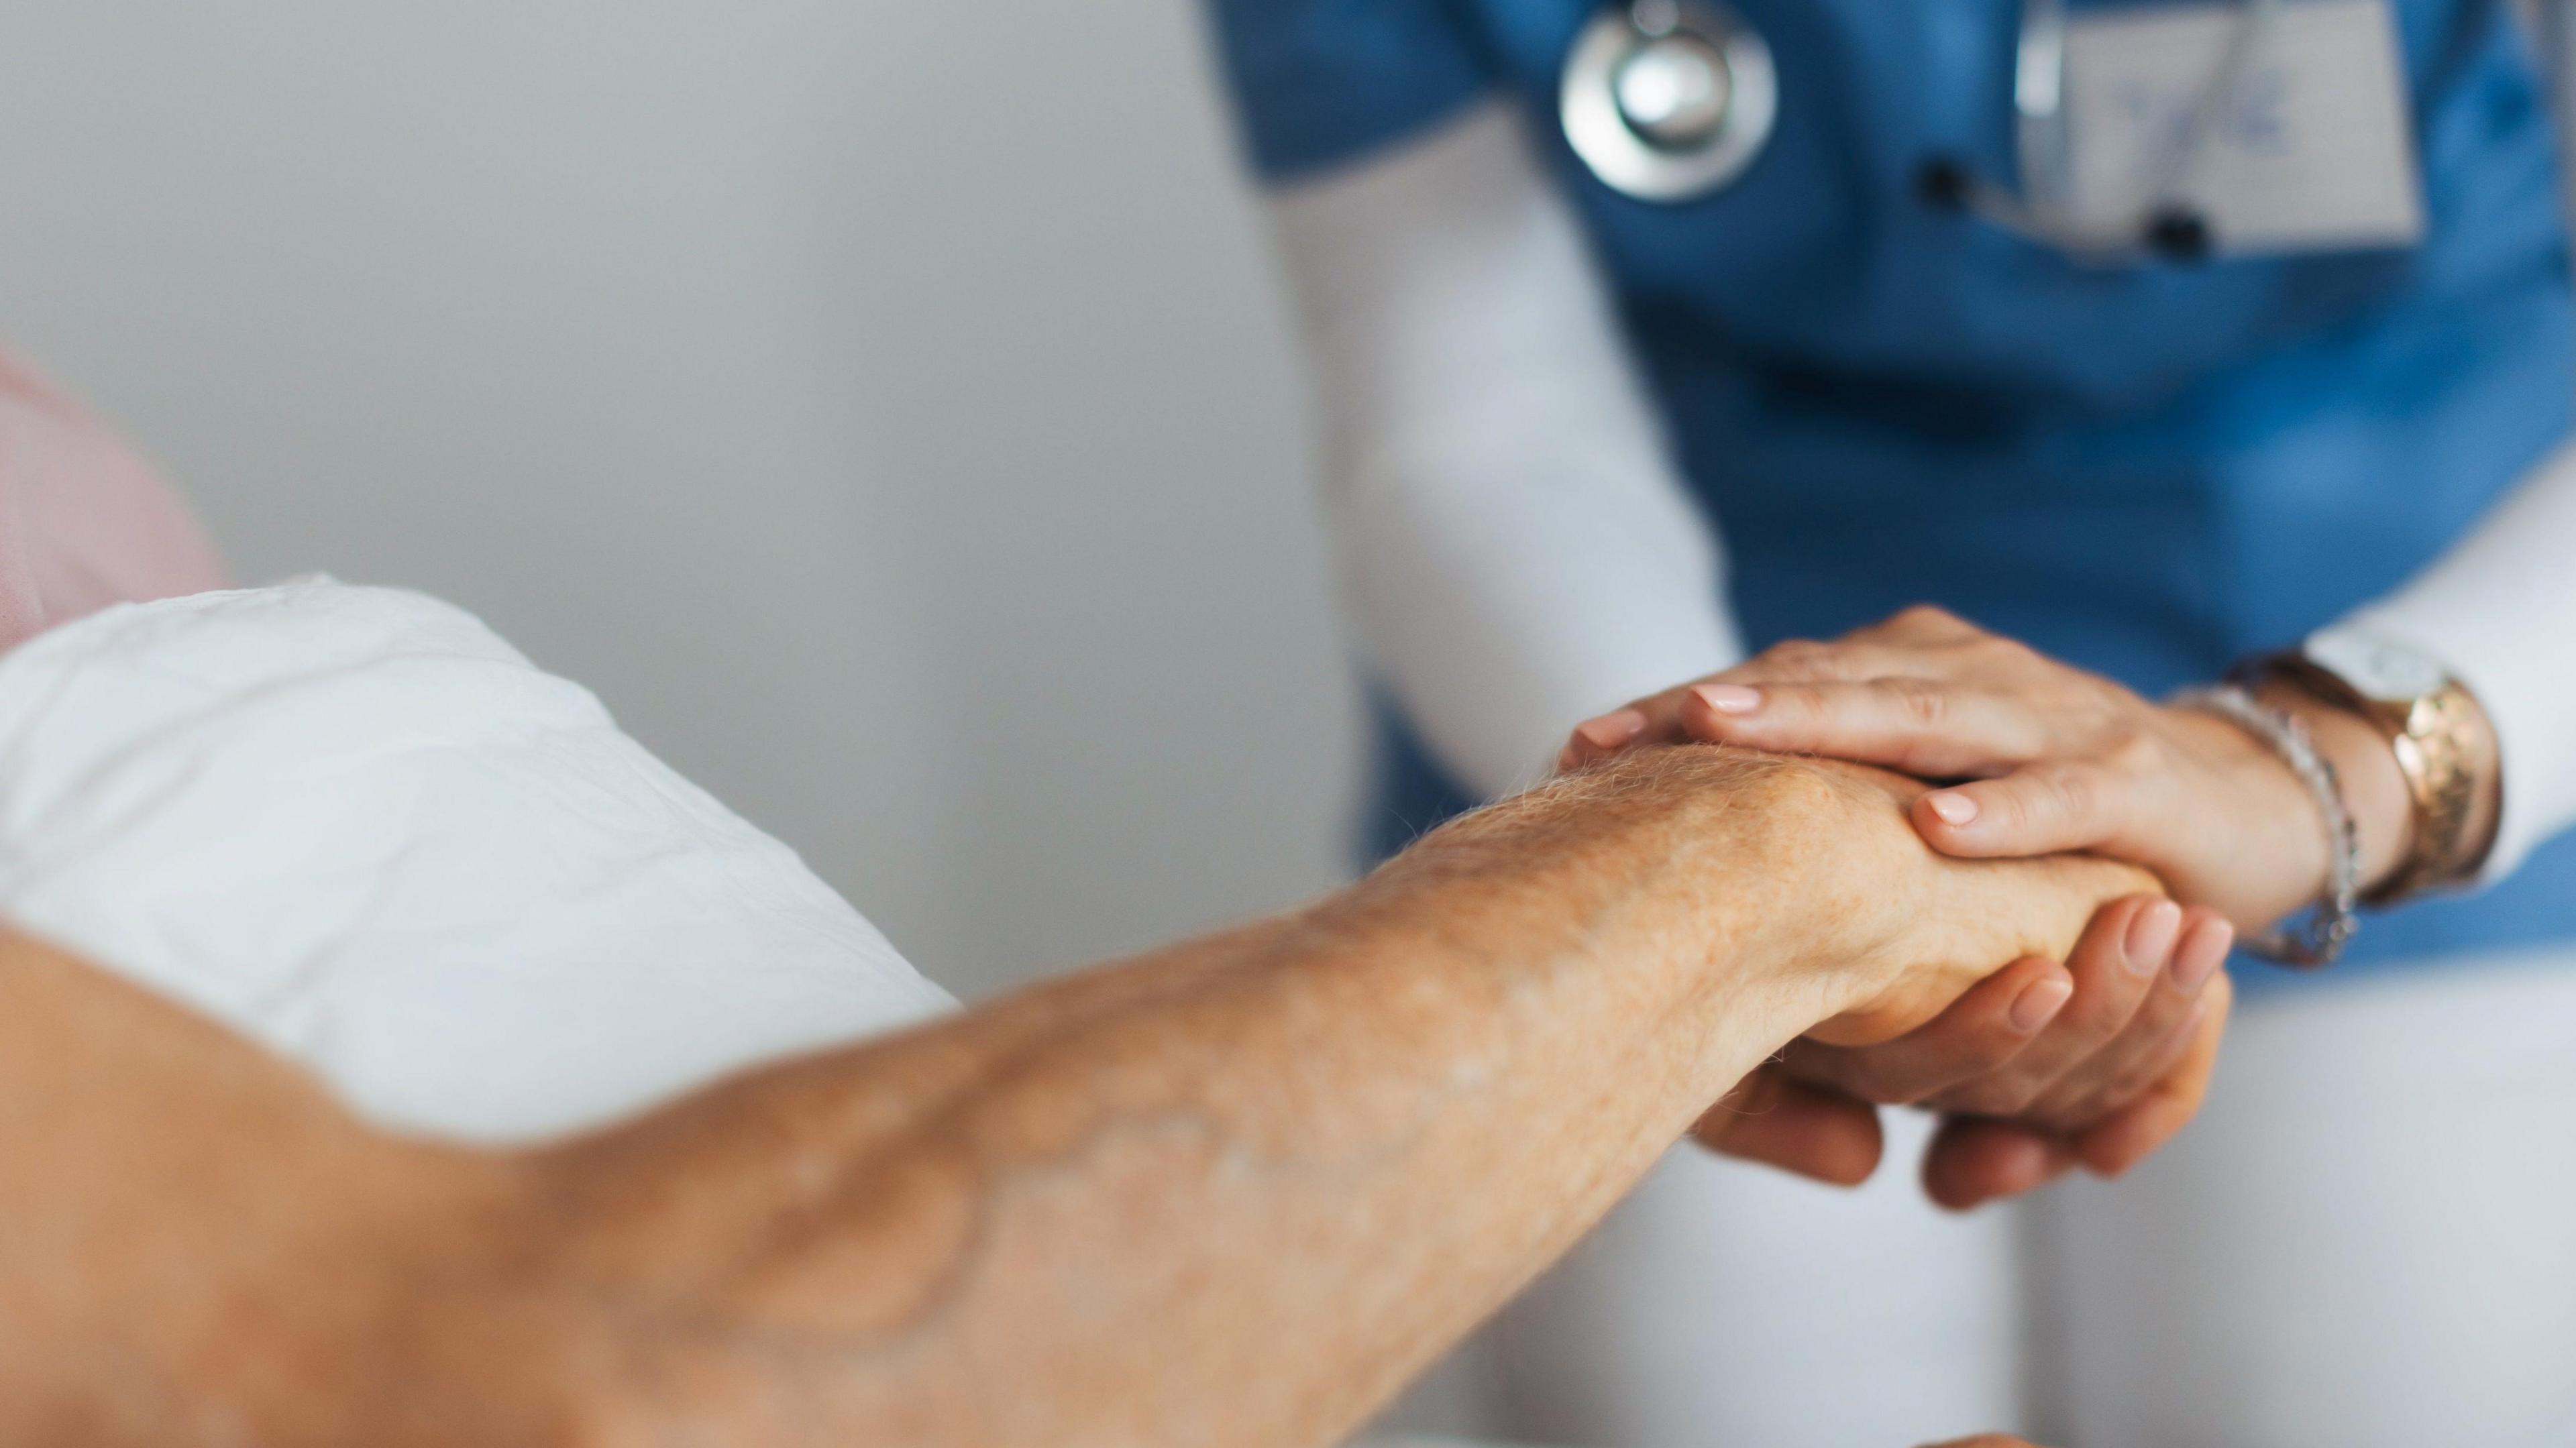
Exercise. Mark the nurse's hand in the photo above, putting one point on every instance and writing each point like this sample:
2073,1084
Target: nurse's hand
2039,1069
2065,753
2052,758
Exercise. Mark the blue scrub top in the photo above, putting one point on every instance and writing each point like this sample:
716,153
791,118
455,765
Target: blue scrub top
2147,470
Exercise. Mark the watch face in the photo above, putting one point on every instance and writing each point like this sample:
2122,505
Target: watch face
2380,668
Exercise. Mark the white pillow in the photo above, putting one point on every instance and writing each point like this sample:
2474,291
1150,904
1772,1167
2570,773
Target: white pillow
358,826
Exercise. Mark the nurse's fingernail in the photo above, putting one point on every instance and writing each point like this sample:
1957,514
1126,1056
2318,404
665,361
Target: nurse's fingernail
2202,952
1729,698
1611,730
2039,1003
2151,936
1953,808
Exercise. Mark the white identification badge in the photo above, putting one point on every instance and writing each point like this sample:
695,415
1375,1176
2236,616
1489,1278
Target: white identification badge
2313,149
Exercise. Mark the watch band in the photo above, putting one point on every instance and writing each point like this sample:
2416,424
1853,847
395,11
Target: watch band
2433,738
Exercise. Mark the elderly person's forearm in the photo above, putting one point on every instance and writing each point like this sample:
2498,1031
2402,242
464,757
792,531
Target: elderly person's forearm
1236,1191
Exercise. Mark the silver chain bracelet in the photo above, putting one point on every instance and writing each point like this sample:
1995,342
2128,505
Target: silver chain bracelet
2318,940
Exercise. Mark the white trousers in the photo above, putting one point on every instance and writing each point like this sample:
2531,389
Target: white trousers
2368,1238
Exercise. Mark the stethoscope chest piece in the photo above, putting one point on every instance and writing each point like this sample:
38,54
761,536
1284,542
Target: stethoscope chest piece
1669,100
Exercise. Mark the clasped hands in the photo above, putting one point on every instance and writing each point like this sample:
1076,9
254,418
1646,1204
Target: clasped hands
2043,1066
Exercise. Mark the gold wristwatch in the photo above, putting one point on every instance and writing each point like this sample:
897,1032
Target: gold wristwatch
2435,728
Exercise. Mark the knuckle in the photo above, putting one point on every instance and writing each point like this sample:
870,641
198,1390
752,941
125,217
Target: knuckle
2068,793
2133,751
1790,701
2005,655
2018,806
1797,658
1798,789
1929,618
1921,703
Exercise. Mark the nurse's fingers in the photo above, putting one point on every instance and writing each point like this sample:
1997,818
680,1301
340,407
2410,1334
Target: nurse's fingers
1978,1035
1654,719
2155,1039
2115,965
1604,735
2148,1071
2038,809
1974,1160
1809,1130
1977,1159
1923,623
1919,644
1920,726
1851,659
2134,1133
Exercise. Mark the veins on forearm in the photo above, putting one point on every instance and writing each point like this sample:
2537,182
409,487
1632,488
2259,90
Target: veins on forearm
1192,1083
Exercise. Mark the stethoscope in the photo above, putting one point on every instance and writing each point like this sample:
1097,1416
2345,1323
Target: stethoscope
1670,100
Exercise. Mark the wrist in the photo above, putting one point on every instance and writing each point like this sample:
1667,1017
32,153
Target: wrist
2374,788
1835,854
1821,898
1689,875
1874,933
2433,733
1774,869
2263,849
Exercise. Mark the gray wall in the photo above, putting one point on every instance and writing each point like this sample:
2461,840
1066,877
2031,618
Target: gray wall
884,406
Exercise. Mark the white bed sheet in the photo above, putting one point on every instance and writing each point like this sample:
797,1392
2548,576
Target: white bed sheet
356,825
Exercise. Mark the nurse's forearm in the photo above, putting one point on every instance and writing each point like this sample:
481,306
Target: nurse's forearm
1231,1192
1519,550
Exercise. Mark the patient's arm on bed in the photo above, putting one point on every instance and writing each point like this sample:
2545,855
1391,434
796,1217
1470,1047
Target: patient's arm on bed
1234,1192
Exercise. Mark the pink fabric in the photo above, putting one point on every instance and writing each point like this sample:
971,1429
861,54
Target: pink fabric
84,522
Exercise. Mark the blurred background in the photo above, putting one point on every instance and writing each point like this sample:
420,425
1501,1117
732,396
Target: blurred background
887,408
